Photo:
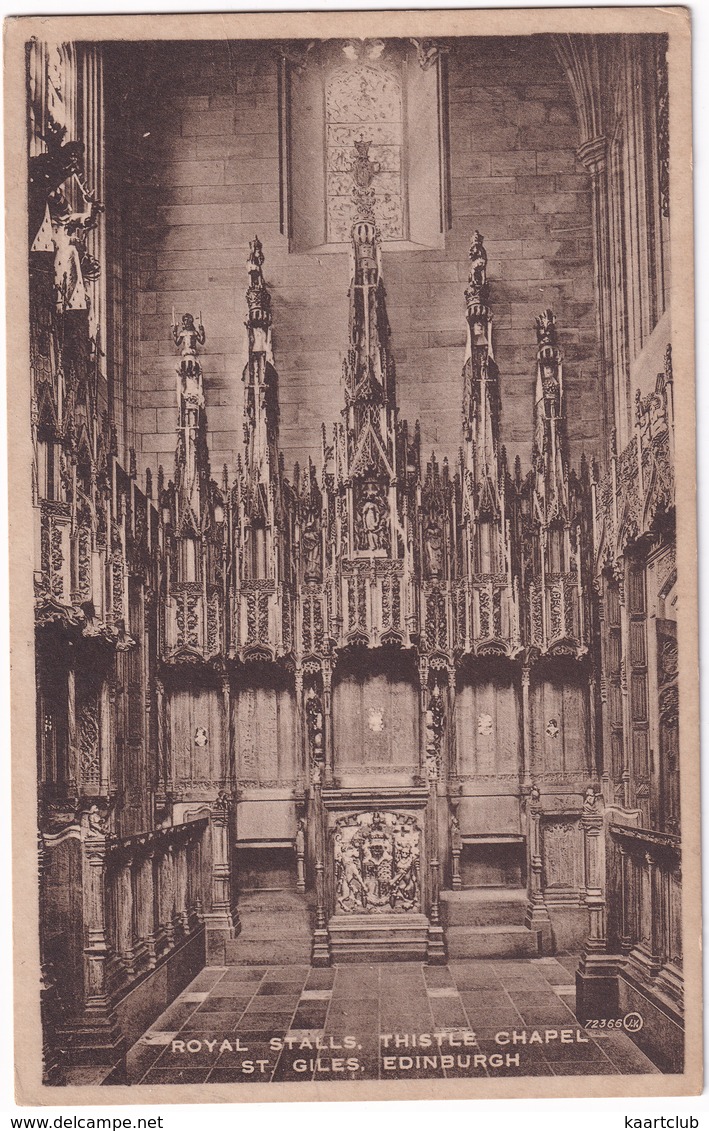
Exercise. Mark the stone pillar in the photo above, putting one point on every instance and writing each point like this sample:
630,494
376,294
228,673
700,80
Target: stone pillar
626,938
436,944
526,730
594,868
146,907
451,724
423,706
321,943
163,769
181,910
605,743
95,1036
625,695
166,909
72,768
449,781
593,154
596,981
456,848
537,917
228,732
300,857
124,912
657,916
327,718
301,744
52,1072
222,917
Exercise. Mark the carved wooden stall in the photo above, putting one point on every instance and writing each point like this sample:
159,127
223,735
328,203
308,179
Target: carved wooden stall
381,652
407,701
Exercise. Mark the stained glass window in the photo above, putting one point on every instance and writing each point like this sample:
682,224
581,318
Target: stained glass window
364,101
385,96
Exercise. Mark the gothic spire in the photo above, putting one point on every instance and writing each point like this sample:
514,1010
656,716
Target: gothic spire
368,368
191,455
550,436
481,393
260,377
370,452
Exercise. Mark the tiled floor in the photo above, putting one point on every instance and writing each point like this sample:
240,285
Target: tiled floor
389,1021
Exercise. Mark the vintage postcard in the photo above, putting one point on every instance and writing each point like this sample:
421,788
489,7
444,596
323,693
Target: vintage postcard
353,559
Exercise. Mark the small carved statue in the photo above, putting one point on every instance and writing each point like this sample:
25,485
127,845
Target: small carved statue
590,799
255,261
188,336
546,328
456,838
433,540
373,517
300,838
312,548
478,261
221,802
64,231
258,300
97,821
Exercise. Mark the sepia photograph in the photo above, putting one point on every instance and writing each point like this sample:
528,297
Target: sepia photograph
353,560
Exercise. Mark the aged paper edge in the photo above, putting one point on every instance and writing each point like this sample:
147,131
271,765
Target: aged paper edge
676,22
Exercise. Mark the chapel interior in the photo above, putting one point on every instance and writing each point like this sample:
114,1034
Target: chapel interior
353,500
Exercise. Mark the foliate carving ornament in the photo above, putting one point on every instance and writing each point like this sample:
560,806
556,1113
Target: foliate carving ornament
428,51
434,733
314,717
88,732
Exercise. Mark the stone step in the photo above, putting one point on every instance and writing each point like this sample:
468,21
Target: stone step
483,907
286,952
275,900
378,938
278,928
275,929
493,942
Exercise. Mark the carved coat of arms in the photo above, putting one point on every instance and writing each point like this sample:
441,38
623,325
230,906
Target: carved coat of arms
377,863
